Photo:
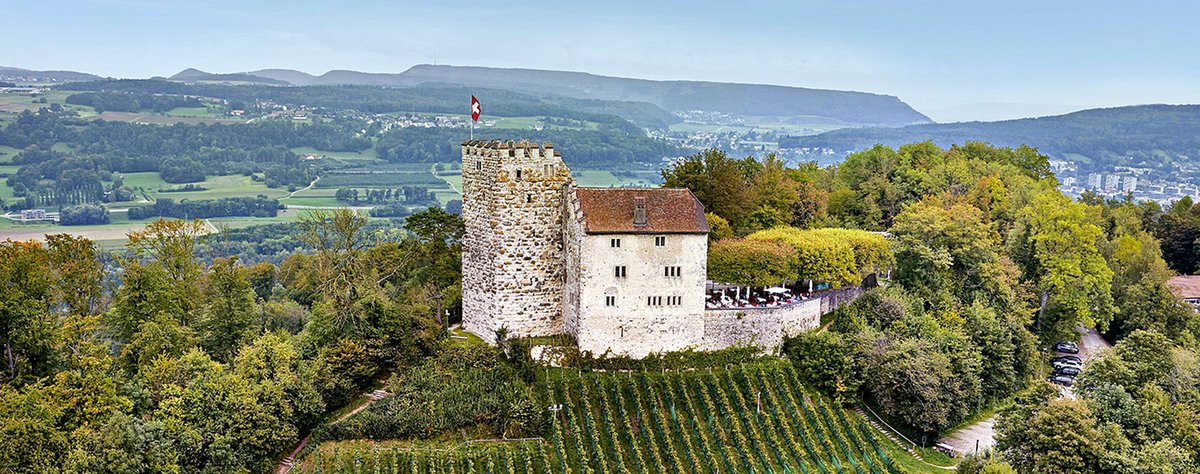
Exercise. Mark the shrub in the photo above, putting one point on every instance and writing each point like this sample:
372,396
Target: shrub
751,262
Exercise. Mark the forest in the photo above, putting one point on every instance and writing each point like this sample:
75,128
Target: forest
207,365
992,264
131,102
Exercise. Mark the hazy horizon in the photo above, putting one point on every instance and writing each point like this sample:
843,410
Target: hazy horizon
951,62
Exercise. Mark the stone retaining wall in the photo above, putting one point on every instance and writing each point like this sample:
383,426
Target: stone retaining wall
766,327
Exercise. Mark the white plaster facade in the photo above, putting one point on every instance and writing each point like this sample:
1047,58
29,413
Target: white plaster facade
647,310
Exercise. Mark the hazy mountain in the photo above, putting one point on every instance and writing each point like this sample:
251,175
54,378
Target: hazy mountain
290,76
22,75
1159,137
858,108
196,75
996,111
851,108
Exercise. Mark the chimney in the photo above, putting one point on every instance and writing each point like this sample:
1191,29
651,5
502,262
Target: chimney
639,212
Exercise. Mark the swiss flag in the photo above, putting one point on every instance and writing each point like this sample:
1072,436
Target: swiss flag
476,109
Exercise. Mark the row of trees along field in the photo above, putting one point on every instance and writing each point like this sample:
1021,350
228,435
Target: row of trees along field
160,361
404,194
991,263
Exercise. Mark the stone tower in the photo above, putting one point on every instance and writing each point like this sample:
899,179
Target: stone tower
512,259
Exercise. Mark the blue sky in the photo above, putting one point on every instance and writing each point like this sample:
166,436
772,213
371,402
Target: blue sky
953,60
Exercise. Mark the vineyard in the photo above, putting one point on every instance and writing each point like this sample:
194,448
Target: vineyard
378,179
751,419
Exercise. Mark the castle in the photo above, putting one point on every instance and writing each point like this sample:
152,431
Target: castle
621,269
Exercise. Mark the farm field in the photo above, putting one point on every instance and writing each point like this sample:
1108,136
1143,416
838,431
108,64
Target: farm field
163,119
7,153
380,179
446,196
605,179
215,187
16,103
754,418
115,230
454,180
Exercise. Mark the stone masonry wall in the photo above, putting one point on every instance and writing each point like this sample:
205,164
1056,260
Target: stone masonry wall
512,252
766,327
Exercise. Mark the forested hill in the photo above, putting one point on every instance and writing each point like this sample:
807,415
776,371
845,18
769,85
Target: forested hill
432,99
1153,136
740,99
45,76
196,75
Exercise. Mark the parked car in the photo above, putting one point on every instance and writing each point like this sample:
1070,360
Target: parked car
1068,347
1066,363
1074,359
1067,370
1062,380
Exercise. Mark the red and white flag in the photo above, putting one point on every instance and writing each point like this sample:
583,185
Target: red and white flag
476,109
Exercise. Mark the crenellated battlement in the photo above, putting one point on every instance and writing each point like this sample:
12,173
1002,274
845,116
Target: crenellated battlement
509,149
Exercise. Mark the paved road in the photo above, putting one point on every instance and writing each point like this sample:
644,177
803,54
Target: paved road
963,440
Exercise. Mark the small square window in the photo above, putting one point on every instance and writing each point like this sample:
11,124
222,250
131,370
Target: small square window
528,198
610,300
660,241
615,243
620,271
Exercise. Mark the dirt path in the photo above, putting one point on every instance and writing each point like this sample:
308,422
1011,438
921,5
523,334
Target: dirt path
287,463
310,185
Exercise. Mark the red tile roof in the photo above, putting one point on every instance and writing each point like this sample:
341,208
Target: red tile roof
1186,286
668,211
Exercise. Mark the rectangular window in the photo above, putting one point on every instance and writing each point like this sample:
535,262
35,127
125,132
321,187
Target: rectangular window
620,271
672,271
479,165
660,241
610,300
615,243
518,174
528,198
654,301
